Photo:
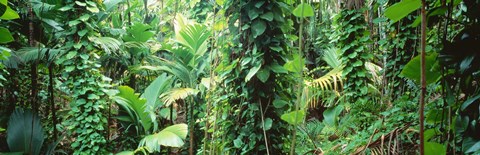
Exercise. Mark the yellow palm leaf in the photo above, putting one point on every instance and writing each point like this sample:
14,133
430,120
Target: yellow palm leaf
176,94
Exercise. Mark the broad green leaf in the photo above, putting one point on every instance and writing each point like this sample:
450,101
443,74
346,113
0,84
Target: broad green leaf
267,16
277,103
171,136
2,129
253,13
295,65
93,9
126,153
71,54
471,145
331,115
129,101
53,24
110,4
152,93
401,9
469,101
220,2
6,13
275,67
258,28
263,75
268,123
306,8
429,134
432,148
5,36
294,117
252,72
84,17
237,143
80,3
82,32
66,8
432,72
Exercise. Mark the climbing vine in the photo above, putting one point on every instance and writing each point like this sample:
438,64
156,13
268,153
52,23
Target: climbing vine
251,116
352,37
87,122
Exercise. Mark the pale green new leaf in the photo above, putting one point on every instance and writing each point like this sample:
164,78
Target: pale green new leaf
432,148
126,153
5,36
195,37
9,14
171,136
306,8
294,117
252,72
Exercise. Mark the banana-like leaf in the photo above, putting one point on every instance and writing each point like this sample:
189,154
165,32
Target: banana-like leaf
155,89
25,132
171,136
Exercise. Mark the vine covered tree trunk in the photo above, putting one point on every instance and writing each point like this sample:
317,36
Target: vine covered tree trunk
87,119
257,77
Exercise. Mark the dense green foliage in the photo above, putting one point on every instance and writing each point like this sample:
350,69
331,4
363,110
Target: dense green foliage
239,77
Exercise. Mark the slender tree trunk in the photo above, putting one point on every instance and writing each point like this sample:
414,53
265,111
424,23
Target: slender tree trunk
33,67
51,98
423,79
191,126
12,98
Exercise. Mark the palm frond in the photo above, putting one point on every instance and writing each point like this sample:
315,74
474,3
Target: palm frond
331,81
176,94
331,57
107,44
25,132
135,106
374,70
134,44
193,36
28,54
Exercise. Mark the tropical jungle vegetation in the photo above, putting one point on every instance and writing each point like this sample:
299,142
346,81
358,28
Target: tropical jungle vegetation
240,77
